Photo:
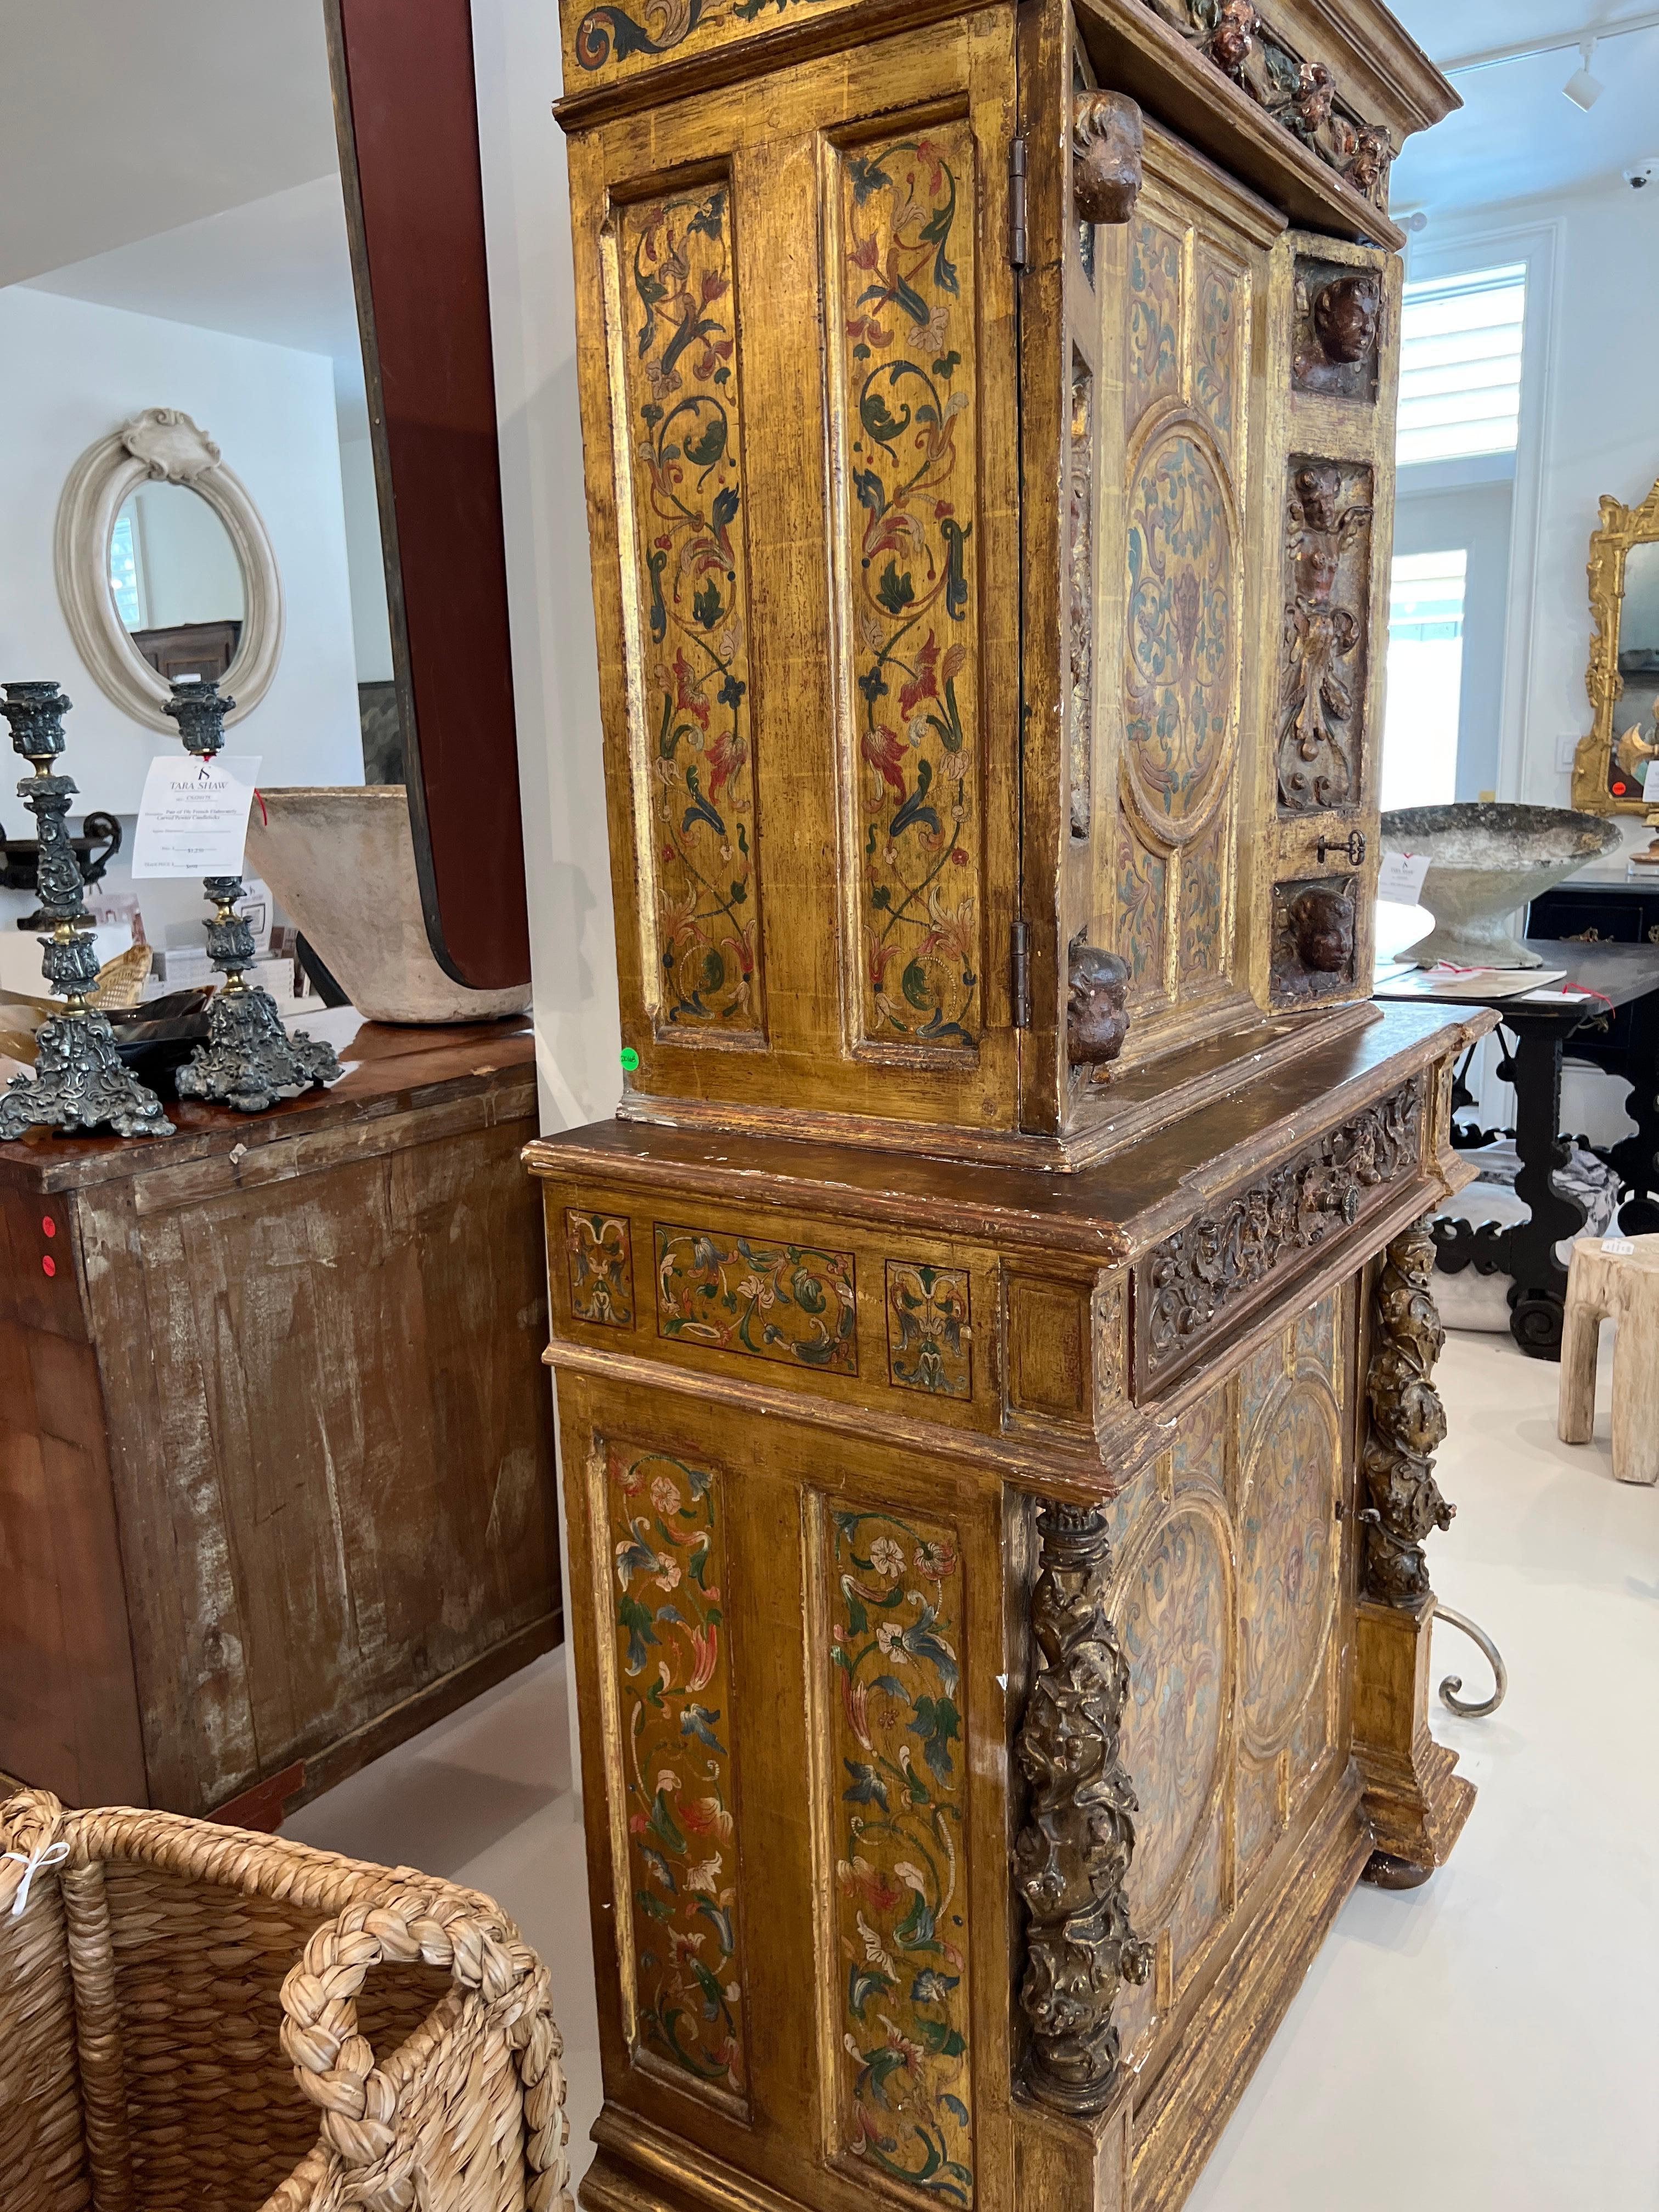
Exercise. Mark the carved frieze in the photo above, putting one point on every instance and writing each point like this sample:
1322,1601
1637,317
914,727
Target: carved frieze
1073,1856
1322,674
1409,1422
1194,1278
1302,96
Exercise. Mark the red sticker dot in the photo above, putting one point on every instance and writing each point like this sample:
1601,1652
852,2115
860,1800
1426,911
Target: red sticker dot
48,1226
48,1265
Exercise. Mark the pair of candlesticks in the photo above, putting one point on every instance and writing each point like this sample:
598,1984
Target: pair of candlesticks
80,1080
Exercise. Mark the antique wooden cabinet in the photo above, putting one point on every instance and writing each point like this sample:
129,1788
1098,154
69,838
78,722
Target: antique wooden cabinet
993,1348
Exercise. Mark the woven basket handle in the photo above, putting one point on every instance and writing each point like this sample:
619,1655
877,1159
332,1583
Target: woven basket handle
375,2135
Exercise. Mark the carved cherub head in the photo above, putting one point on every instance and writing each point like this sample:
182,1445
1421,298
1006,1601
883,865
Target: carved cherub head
1368,172
1315,91
1096,1014
1346,312
1318,491
1233,40
1108,147
1322,922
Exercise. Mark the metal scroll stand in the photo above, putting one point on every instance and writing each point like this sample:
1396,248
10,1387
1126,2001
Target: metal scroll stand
1472,1709
249,1061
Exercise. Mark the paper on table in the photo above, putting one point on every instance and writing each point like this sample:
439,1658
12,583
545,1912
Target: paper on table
1447,982
192,820
1399,877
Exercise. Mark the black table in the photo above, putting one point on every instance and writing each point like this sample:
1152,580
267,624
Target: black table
1535,1034
1622,910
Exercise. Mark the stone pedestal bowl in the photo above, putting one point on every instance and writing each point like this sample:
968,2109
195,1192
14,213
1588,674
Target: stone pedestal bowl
342,862
1485,862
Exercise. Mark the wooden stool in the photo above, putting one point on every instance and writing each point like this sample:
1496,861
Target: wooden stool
1614,1279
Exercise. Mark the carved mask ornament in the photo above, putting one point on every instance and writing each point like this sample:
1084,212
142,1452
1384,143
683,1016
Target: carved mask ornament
1322,924
1233,41
1097,1012
1346,314
1107,147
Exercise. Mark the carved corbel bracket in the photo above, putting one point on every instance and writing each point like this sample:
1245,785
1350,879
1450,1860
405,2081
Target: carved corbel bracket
1409,1422
1072,1859
1108,153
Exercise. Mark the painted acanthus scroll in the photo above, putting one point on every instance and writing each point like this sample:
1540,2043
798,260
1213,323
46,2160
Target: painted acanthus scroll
682,375
1072,1861
1408,1423
1328,547
1080,595
907,308
1300,95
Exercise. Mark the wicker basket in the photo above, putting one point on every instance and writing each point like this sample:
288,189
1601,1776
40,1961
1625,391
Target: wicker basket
180,2001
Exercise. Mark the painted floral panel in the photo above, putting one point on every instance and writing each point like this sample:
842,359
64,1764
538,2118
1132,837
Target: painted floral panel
1203,907
930,1337
1223,313
908,346
1153,335
901,1899
673,1677
1175,1618
681,374
1180,672
1080,594
610,36
1142,935
792,1302
1287,1560
601,1264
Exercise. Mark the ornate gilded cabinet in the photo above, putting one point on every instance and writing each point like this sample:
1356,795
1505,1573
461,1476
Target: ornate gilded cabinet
993,1348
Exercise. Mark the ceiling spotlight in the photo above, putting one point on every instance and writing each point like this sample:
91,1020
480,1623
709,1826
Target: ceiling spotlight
1582,89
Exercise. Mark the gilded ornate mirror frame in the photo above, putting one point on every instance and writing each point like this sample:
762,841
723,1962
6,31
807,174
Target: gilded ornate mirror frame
1622,527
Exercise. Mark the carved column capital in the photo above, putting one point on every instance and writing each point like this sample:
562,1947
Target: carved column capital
1409,1422
1072,1859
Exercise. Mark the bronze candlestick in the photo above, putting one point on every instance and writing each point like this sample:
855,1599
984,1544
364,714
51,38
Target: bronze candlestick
249,1061
80,1080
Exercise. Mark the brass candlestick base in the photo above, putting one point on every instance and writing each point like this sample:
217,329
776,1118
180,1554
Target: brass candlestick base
249,1061
80,1080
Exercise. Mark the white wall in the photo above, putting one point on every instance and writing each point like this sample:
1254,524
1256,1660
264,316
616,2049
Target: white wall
1593,380
370,624
69,374
561,778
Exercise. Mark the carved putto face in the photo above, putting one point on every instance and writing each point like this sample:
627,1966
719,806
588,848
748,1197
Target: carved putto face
1345,316
1318,490
1323,923
1233,39
1097,1013
1108,146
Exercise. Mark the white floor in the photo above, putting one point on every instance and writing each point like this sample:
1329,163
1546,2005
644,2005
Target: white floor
1491,2040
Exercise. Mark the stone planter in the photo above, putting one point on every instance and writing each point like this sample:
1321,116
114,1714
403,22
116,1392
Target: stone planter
1485,863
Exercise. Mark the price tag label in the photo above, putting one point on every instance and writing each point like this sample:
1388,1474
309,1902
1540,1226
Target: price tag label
1399,877
192,820
1621,1246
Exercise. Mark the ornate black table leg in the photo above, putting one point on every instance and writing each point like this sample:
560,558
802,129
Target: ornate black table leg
1635,1159
249,1061
1538,1295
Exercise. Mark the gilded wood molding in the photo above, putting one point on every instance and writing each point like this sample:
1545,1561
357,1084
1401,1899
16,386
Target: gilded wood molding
1072,1859
1409,1422
1593,768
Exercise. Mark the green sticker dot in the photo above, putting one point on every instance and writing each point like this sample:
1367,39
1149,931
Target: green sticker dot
630,1059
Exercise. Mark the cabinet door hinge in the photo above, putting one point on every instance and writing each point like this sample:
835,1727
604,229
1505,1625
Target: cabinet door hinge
1017,202
1020,949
